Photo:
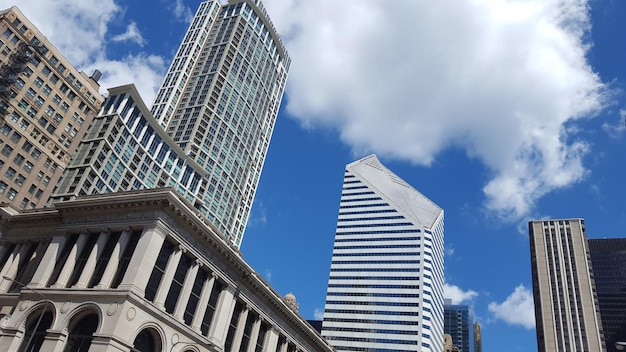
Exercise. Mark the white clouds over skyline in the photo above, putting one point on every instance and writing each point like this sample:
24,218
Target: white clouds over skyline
408,80
500,79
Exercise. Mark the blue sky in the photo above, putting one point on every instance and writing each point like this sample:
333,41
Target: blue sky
499,111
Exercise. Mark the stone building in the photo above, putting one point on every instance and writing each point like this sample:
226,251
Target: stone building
135,271
46,105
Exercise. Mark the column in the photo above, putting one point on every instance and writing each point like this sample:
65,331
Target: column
11,271
185,291
142,261
4,250
221,319
168,276
114,261
92,259
9,262
254,335
70,262
46,265
203,302
271,340
33,263
241,325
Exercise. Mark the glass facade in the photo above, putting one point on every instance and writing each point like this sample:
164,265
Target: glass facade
608,260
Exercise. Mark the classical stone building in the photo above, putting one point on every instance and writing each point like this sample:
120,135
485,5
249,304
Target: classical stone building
135,271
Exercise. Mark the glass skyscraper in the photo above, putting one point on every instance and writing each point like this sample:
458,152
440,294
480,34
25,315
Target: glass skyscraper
219,101
458,323
217,107
385,290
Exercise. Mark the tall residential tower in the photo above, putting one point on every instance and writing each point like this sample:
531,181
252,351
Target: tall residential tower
385,290
219,102
566,306
458,319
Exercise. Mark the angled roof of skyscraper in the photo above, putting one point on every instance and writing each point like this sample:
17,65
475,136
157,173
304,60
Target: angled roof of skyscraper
394,189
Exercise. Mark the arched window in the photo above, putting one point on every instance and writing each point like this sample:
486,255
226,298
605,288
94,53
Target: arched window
35,333
81,333
147,340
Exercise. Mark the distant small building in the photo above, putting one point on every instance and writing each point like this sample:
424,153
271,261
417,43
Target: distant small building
135,271
457,322
478,338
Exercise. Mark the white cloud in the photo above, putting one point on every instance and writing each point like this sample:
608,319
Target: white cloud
132,34
78,28
457,295
517,309
409,79
182,12
318,314
617,129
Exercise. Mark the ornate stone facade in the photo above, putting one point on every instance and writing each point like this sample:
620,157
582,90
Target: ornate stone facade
134,271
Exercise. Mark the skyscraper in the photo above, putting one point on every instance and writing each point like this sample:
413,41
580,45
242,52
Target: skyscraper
219,101
217,106
46,105
458,324
608,259
385,290
566,306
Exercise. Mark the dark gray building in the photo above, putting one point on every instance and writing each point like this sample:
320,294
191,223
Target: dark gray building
608,261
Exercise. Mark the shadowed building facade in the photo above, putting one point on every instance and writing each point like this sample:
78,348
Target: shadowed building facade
608,259
385,290
135,271
566,305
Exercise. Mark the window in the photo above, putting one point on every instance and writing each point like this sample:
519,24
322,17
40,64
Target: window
56,99
15,137
46,71
11,194
10,173
3,187
6,150
61,68
54,78
36,153
64,106
31,93
28,166
8,33
46,89
27,146
54,60
38,82
49,110
19,180
19,159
